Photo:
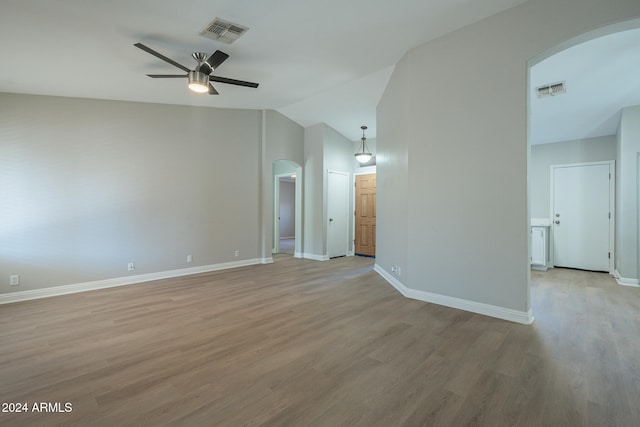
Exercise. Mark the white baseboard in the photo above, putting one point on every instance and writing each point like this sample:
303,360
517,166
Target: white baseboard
298,255
625,281
539,267
475,307
290,237
122,281
316,257
268,260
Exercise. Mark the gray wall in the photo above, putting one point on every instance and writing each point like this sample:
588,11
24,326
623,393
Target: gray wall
392,173
628,145
560,153
285,138
90,185
283,146
314,236
338,156
458,112
325,149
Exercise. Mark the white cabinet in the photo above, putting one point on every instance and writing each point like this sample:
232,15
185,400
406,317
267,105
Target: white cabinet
539,245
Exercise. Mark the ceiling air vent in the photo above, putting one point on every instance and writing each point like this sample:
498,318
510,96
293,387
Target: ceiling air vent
224,31
551,89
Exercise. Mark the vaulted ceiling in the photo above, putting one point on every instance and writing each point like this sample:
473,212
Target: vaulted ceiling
601,77
316,61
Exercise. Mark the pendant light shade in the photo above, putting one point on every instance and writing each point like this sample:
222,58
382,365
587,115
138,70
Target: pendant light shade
363,155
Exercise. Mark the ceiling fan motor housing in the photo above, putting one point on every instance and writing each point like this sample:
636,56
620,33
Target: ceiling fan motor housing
198,82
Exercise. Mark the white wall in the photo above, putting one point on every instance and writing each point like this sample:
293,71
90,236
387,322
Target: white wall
627,175
464,130
560,153
90,185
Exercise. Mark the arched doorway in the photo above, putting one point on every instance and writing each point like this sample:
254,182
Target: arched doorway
287,208
598,65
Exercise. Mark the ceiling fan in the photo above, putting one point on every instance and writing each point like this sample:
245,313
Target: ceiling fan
200,77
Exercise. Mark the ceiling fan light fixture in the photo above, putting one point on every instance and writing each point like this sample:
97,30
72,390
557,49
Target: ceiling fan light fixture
198,82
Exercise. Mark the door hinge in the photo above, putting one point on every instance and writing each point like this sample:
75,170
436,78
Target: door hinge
609,215
609,255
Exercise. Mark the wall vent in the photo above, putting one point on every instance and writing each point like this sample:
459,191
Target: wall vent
552,89
224,31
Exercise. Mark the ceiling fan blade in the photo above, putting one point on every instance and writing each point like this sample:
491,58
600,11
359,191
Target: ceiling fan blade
232,81
213,62
161,56
167,76
217,58
212,90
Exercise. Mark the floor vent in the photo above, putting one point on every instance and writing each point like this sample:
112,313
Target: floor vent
224,31
551,89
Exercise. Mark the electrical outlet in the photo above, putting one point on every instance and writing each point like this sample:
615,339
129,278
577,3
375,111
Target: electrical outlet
237,252
131,266
393,268
189,258
398,271
14,280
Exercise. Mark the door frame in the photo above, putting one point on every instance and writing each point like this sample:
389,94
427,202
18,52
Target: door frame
353,203
612,207
326,220
275,247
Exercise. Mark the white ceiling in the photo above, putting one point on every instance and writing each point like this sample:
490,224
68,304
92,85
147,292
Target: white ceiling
602,77
316,61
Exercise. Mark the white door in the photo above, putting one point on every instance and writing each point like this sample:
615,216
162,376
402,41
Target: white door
337,214
581,216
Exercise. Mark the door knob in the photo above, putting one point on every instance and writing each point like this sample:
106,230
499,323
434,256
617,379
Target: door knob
330,219
557,221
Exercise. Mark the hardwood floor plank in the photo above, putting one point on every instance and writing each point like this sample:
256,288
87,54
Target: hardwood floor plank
305,343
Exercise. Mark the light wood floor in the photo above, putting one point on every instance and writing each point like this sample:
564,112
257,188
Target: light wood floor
306,343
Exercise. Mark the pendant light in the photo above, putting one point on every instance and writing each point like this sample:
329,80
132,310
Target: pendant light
363,155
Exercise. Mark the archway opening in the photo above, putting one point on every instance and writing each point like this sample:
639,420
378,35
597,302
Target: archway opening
287,208
577,91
